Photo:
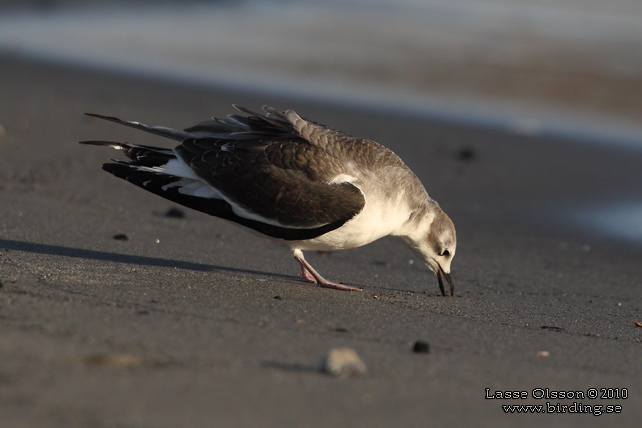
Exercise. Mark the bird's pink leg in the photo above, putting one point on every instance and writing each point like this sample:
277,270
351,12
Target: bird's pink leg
307,276
311,275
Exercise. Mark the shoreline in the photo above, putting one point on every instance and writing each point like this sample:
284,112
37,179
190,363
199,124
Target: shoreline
546,92
504,115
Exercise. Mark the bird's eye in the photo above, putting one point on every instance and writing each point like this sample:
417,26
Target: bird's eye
445,253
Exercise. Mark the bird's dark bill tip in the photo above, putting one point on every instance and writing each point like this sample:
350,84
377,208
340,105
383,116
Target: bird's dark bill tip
440,277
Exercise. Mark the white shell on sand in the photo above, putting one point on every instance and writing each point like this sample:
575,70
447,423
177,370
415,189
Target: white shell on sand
343,362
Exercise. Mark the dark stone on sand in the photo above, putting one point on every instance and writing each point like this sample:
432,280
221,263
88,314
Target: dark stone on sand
121,237
552,328
467,154
421,347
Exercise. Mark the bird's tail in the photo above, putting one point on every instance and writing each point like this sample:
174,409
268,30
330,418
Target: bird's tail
159,171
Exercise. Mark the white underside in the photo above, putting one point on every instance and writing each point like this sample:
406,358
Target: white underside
375,221
174,167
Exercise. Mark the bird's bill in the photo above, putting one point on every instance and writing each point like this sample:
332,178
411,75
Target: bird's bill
441,272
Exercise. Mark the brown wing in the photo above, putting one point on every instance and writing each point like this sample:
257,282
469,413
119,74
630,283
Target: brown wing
279,179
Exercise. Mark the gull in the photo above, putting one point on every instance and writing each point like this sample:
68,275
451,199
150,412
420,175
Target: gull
297,181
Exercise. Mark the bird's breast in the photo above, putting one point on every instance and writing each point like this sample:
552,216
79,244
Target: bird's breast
376,220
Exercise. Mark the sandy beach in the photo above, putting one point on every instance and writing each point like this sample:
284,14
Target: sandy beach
195,322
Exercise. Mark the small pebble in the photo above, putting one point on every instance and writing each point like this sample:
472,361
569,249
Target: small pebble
421,347
343,362
278,298
467,154
121,237
543,354
175,213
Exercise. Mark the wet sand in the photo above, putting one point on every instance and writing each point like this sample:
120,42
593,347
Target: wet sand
195,322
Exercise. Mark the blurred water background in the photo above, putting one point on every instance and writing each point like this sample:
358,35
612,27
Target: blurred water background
549,66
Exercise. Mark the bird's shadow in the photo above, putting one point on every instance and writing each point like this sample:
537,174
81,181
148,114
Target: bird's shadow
81,253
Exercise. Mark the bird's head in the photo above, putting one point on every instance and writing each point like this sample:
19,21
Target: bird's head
436,246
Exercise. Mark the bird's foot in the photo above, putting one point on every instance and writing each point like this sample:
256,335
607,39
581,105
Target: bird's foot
338,286
308,277
311,275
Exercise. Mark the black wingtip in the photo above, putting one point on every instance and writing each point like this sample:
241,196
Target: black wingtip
99,143
174,134
109,118
245,110
102,116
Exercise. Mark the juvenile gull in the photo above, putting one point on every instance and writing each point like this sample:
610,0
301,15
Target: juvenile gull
297,181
